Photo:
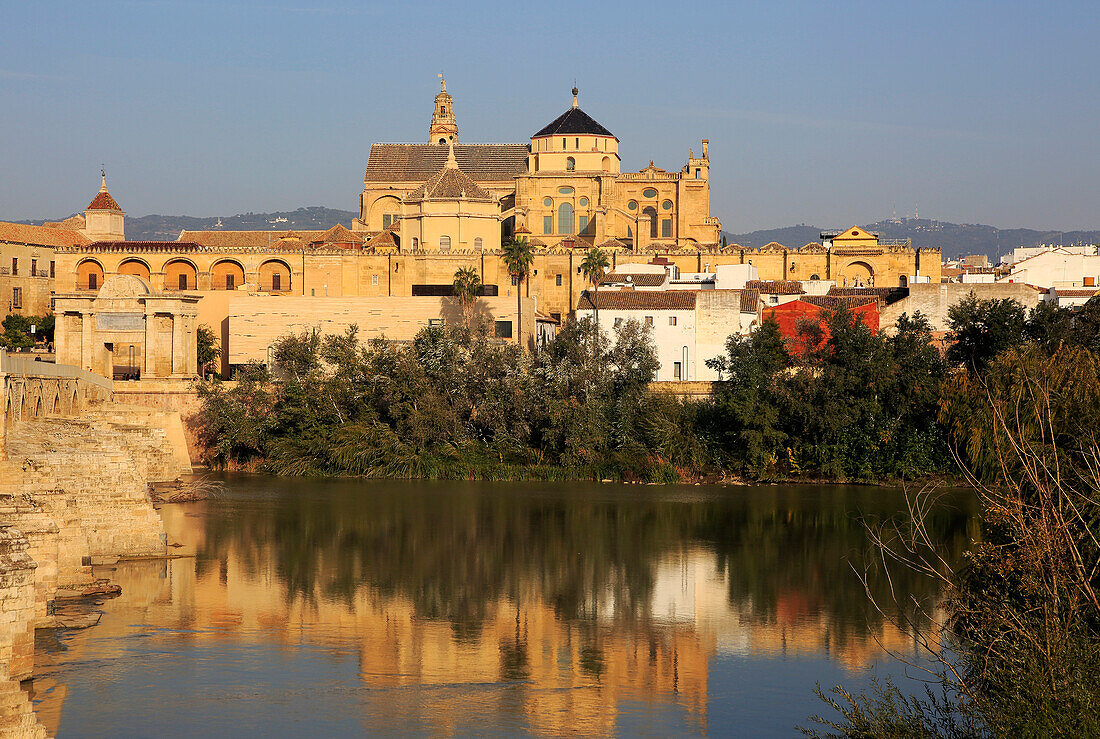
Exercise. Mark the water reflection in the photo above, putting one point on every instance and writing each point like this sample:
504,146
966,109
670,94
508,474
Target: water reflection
456,608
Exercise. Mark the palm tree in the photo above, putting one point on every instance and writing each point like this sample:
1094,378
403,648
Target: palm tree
593,267
467,288
518,257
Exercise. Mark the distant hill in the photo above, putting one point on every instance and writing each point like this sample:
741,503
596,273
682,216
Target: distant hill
955,239
167,228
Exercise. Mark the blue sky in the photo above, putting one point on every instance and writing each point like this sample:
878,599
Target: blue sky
820,112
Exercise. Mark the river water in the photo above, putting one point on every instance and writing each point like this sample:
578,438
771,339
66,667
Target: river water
303,607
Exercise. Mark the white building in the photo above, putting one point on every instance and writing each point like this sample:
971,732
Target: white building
1071,266
688,326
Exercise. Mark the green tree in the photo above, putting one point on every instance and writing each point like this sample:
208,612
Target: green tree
982,329
518,256
467,288
593,268
17,334
207,349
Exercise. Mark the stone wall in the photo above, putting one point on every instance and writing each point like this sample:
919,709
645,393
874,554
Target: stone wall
933,300
16,605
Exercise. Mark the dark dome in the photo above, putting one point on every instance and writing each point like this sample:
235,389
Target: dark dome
573,122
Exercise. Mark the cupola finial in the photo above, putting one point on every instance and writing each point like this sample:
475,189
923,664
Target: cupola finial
575,91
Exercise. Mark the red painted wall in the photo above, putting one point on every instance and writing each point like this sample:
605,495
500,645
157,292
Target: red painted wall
789,314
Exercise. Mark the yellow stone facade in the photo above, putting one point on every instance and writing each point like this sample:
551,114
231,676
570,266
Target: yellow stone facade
430,209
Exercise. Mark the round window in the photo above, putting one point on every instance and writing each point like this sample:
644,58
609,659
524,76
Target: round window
632,205
565,190
667,205
649,192
548,202
584,202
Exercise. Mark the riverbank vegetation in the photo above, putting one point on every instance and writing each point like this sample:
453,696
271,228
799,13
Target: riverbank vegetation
1014,649
839,403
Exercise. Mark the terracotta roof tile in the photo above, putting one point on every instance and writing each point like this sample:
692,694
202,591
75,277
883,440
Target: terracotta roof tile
418,162
633,300
1075,293
449,184
382,240
246,239
835,301
642,280
888,295
750,301
20,233
103,201
776,287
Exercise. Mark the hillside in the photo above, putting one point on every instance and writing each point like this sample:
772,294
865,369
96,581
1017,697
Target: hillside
955,239
167,228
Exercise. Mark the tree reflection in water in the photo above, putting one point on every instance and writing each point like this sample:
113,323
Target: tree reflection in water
591,552
479,608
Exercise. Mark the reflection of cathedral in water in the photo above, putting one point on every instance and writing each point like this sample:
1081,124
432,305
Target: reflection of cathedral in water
559,673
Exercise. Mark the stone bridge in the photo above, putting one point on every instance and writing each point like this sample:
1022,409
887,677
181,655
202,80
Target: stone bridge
75,474
34,390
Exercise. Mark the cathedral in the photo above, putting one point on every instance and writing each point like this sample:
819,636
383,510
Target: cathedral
565,187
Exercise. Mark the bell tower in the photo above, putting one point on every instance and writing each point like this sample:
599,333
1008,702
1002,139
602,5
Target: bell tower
444,128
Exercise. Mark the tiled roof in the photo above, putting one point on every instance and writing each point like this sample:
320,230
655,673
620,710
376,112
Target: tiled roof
382,240
546,318
632,300
20,233
247,239
776,287
889,295
1078,293
103,201
836,301
571,122
750,301
340,234
449,184
612,244
642,280
418,162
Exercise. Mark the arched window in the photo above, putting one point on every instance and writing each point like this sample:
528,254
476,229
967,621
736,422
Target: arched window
180,275
903,281
652,213
565,218
570,164
444,243
274,276
606,164
134,267
815,276
416,243
227,275
89,275
443,141
478,243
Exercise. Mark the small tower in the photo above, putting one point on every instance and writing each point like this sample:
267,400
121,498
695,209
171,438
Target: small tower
103,219
444,128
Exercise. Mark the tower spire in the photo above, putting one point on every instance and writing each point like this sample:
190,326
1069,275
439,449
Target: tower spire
452,163
575,91
444,127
